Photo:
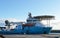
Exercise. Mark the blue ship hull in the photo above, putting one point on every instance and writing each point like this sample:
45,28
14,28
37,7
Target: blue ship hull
38,30
27,30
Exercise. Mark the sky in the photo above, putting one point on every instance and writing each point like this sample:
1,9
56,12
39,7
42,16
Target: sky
18,9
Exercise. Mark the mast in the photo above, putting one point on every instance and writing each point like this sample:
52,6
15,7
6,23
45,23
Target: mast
30,16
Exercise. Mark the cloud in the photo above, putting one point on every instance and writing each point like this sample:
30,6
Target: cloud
2,21
55,24
11,20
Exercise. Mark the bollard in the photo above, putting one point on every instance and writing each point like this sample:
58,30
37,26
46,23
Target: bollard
1,36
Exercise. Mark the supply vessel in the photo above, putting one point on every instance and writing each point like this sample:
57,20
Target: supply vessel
31,26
